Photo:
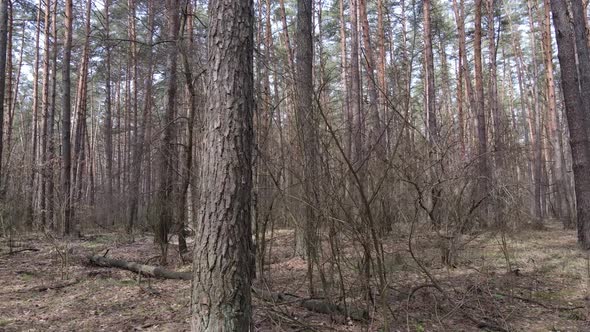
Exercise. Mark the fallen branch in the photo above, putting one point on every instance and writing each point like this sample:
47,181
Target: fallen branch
50,287
21,250
315,305
541,304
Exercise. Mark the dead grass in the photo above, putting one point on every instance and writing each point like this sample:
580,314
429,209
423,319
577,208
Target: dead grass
547,289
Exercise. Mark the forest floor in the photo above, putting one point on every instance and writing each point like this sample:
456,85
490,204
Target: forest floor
545,289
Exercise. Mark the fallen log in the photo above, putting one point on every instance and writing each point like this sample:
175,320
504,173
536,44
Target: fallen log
146,270
315,305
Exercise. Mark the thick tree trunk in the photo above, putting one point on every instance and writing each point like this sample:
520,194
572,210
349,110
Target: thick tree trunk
223,255
577,116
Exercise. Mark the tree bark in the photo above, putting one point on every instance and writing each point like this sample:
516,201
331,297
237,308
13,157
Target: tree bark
223,255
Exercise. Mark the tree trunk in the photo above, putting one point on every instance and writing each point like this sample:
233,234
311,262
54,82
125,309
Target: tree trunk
497,114
537,132
108,118
576,113
3,55
223,255
375,142
167,150
66,122
307,125
35,111
482,137
557,167
429,92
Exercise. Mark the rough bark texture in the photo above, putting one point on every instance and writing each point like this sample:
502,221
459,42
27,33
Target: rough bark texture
223,254
577,117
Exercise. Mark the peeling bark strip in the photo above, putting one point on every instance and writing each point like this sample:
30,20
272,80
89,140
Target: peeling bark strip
223,255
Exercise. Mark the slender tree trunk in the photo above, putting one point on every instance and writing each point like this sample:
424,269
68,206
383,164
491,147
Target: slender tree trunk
81,106
497,116
138,128
51,122
307,129
429,92
3,55
538,137
223,255
369,60
355,88
35,110
66,122
108,120
142,129
167,151
346,111
459,10
557,167
186,46
45,138
482,149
